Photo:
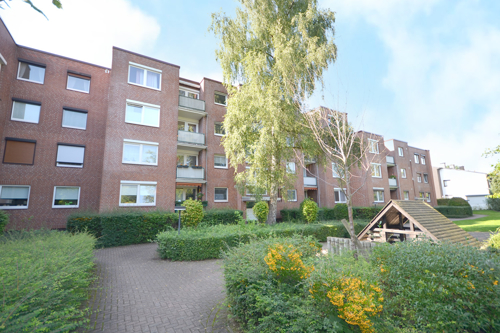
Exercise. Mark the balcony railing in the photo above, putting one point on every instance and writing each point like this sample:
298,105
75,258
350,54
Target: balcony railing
390,160
191,137
192,103
190,172
310,181
393,183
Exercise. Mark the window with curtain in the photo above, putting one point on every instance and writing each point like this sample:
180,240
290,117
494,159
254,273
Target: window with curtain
292,195
406,195
220,161
376,170
139,153
219,129
339,196
78,83
27,112
220,194
14,197
220,98
378,195
74,119
66,197
144,77
136,194
142,115
403,173
70,156
31,72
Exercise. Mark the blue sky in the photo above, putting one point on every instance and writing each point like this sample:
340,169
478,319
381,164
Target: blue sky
426,72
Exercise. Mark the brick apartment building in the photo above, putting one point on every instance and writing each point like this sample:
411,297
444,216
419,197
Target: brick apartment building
81,137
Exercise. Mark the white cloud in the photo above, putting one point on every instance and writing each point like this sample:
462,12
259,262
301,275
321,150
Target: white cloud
83,29
444,74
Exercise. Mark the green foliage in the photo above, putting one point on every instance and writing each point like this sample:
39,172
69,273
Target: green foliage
439,287
494,202
4,220
340,211
454,211
309,210
260,210
44,280
122,227
494,240
193,214
456,201
207,243
250,204
443,201
220,216
329,214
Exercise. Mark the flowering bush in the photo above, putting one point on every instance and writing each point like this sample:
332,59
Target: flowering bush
286,264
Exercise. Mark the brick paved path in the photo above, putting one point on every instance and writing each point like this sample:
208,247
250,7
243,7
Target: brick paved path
139,292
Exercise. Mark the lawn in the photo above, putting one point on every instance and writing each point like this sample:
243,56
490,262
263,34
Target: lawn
488,223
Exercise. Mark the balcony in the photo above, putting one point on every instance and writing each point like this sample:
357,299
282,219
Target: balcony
191,107
190,174
393,183
390,161
185,138
310,182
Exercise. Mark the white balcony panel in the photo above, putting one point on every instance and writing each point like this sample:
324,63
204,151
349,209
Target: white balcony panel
191,137
192,103
390,160
310,181
190,173
393,183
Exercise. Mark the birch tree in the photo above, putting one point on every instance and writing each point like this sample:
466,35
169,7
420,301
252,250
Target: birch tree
273,55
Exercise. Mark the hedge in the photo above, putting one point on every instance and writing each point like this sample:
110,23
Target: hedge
220,216
493,203
44,278
208,243
328,214
454,211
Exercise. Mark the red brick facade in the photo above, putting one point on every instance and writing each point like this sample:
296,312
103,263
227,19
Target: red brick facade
106,169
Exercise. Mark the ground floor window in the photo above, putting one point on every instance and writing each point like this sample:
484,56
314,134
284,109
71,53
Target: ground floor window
220,194
137,193
66,197
340,196
292,195
406,195
378,195
14,197
428,197
182,194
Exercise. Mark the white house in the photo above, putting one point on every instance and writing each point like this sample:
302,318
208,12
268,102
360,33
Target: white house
451,181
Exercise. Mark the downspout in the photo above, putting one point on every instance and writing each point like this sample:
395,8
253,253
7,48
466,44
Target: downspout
206,157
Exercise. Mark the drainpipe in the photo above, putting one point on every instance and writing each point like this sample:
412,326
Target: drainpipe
317,185
206,157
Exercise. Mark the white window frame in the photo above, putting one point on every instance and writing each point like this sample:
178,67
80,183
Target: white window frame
227,194
217,134
379,167
219,167
419,177
379,189
403,173
416,157
141,144
23,79
222,94
186,125
342,191
138,183
426,175
185,155
288,196
22,120
247,192
427,196
66,206
141,104
78,77
145,69
445,182
188,90
422,159
63,165
401,151
17,207
335,173
73,127
373,144
406,195
289,168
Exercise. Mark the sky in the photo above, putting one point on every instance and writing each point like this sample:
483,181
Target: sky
426,72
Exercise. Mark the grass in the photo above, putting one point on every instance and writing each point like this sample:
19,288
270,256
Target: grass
491,222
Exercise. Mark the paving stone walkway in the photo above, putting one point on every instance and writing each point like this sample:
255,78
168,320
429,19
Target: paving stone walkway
139,292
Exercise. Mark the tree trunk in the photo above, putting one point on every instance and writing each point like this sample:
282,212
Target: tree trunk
350,226
273,206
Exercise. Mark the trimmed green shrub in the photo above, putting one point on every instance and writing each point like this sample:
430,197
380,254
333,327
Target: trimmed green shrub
326,214
456,201
207,243
367,213
261,210
439,287
310,210
85,221
193,214
4,220
493,202
291,215
220,216
329,214
454,211
250,204
443,201
44,279
340,211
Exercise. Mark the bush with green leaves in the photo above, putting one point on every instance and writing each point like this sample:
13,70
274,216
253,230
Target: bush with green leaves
220,216
439,287
261,210
457,201
329,214
494,240
193,214
494,202
443,201
4,220
310,210
44,279
454,211
340,211
207,243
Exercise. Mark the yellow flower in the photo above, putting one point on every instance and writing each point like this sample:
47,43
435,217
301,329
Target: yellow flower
495,283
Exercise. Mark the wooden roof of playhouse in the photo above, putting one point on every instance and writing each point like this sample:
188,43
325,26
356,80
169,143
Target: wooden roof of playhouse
400,220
